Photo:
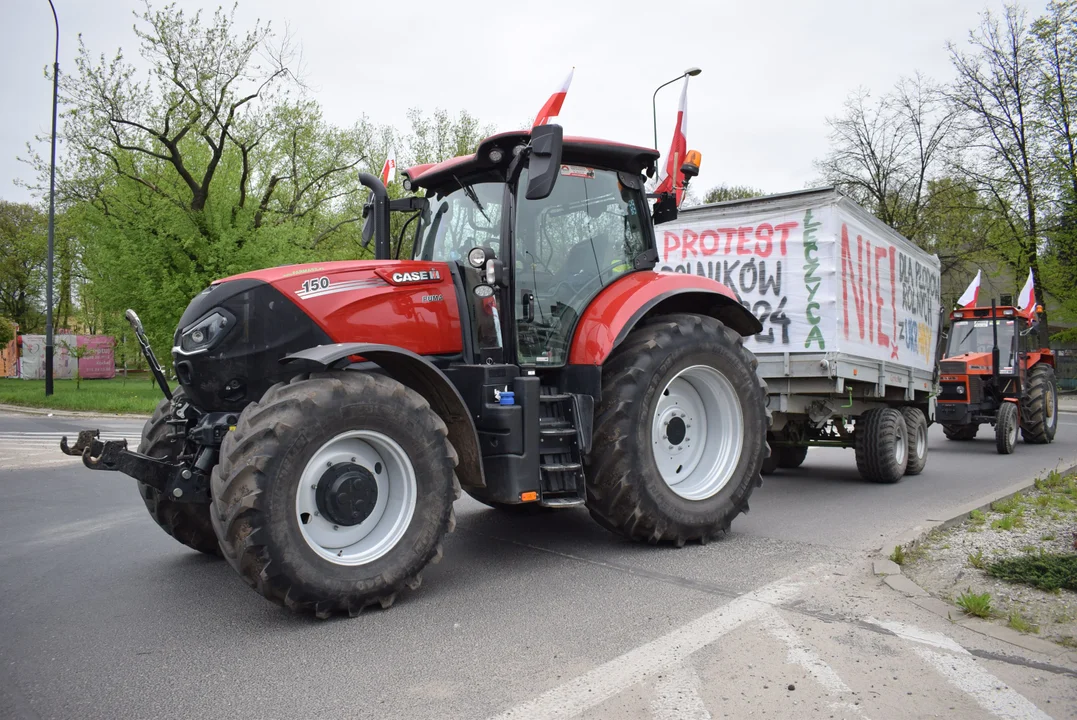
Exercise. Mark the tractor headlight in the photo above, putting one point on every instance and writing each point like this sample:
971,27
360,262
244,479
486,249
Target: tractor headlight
960,389
205,333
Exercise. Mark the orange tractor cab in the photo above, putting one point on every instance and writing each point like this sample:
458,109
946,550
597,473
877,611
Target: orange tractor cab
994,373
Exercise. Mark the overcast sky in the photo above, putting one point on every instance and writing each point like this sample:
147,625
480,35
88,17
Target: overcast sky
772,71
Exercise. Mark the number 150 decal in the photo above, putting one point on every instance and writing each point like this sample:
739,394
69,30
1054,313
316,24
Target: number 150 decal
320,283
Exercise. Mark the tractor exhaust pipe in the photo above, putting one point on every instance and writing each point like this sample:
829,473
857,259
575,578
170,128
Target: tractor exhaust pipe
994,345
376,216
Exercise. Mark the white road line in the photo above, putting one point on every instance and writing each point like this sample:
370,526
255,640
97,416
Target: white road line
645,662
919,635
677,695
802,654
70,532
988,691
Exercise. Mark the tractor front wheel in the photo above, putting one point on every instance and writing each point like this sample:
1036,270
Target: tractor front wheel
334,492
1006,428
189,523
680,433
1041,406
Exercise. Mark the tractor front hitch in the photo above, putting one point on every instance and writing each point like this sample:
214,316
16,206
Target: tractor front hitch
175,480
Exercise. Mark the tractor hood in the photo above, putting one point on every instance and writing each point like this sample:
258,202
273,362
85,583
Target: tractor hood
978,363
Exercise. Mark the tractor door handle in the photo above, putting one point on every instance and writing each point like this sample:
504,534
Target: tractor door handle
529,305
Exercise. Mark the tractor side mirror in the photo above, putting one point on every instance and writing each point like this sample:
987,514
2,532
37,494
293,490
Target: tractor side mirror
665,208
545,166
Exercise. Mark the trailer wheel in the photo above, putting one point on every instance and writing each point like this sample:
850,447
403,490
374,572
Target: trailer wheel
916,433
189,523
792,457
334,492
1041,405
882,447
680,433
1006,428
960,432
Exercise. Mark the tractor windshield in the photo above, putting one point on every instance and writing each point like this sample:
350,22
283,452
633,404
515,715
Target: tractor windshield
975,336
462,218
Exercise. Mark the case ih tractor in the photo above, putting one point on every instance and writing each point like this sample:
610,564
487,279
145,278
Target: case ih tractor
328,415
994,374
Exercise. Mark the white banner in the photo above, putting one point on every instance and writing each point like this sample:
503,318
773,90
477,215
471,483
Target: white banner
820,278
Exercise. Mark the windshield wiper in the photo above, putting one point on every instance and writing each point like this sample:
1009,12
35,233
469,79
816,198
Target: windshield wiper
473,197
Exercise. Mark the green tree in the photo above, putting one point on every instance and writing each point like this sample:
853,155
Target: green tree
23,251
724,193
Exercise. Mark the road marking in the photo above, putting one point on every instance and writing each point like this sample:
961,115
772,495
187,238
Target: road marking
71,532
677,695
802,654
645,662
988,691
919,635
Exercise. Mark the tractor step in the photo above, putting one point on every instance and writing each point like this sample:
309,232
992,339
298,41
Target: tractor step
562,467
561,502
566,431
555,397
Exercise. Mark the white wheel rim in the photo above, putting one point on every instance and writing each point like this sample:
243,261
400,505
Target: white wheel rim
697,432
901,443
921,440
1011,433
382,529
1052,406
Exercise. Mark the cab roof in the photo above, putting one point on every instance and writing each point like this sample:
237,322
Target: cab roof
583,150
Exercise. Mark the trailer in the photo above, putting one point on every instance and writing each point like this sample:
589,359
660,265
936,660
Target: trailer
850,315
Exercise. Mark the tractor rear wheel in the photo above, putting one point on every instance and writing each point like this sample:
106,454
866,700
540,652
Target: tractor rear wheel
882,446
960,432
916,434
189,523
1006,428
770,464
334,492
792,456
680,433
1041,406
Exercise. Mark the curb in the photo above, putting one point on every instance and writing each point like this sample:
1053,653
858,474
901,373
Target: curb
892,576
67,413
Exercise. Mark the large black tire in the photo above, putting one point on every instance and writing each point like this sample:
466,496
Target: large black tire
960,432
881,445
792,457
188,523
1041,406
916,434
625,490
1006,428
255,490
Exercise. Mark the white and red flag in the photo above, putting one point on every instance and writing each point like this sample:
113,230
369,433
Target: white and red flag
1026,301
552,108
388,170
673,178
971,294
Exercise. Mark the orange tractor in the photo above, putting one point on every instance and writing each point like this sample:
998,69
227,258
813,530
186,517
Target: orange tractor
994,373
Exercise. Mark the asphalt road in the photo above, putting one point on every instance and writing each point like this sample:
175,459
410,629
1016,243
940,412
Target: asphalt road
103,615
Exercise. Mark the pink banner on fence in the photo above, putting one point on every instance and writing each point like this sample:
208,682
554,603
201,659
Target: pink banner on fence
99,360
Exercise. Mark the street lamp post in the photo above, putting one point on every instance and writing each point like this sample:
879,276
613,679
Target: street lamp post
52,209
692,71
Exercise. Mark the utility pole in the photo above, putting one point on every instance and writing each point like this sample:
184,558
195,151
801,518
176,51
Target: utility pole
52,209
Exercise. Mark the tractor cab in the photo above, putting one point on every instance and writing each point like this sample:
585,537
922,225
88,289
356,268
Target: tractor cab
993,373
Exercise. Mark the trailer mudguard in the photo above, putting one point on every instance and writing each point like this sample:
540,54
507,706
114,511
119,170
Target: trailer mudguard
417,373
625,303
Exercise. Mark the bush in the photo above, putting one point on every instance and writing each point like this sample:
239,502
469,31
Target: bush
1046,571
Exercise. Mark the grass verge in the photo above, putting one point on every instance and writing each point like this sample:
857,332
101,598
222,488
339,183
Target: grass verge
1046,571
138,394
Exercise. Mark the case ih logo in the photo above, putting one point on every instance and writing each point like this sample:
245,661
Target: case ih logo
417,276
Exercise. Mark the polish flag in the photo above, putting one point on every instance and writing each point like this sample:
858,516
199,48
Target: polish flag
673,178
552,108
1026,301
388,170
969,297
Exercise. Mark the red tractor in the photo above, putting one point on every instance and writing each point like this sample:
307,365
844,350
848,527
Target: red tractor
993,373
328,415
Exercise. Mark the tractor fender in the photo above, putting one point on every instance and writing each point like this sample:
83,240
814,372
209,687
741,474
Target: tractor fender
419,374
621,306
